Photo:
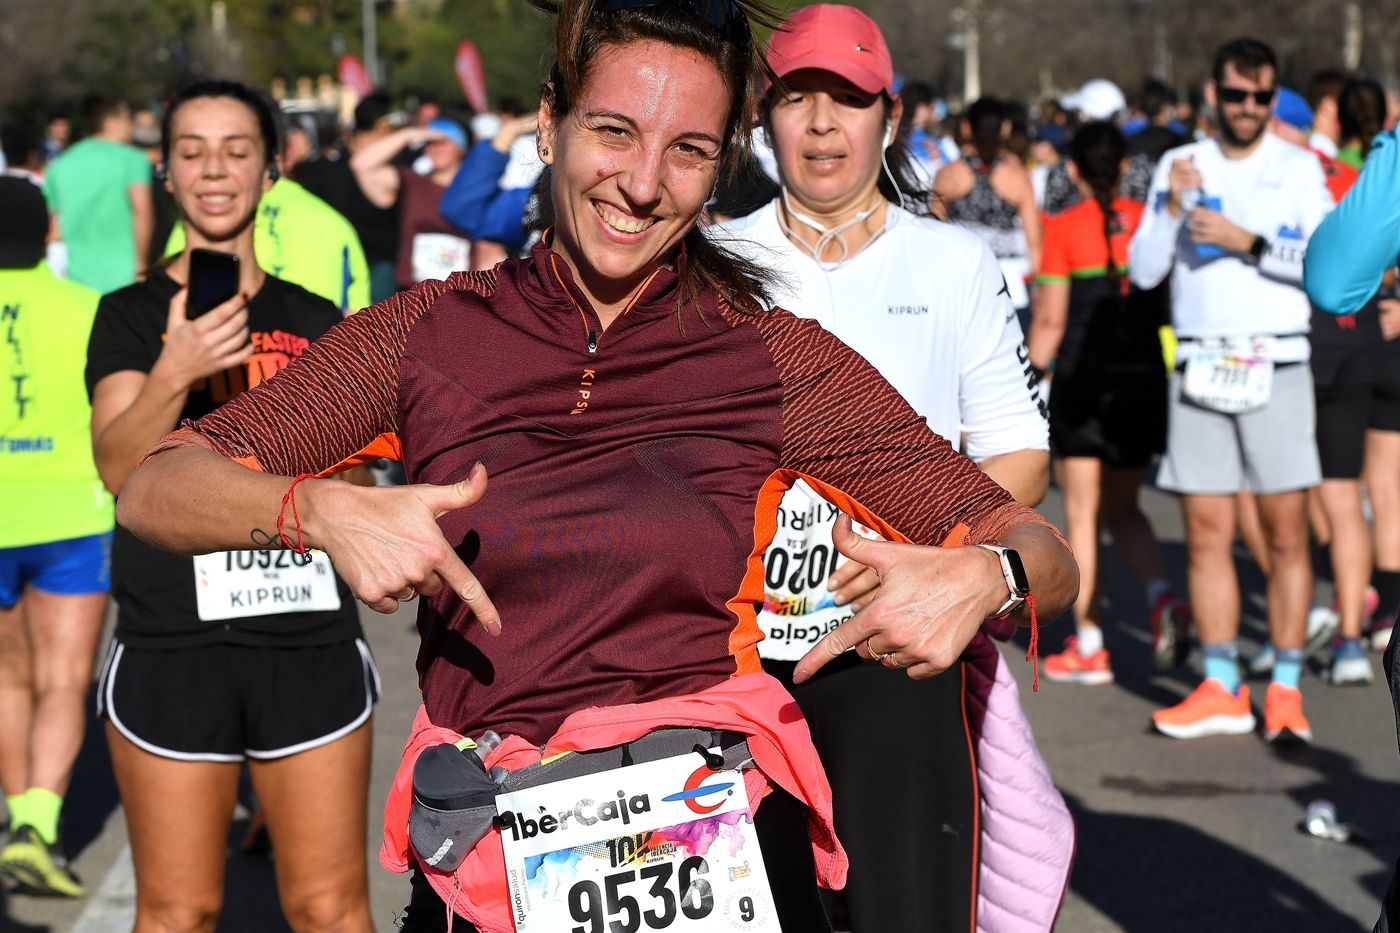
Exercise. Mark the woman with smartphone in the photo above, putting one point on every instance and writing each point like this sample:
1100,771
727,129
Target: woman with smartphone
240,655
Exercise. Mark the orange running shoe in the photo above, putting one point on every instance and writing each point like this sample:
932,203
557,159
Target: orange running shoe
1069,666
1284,721
1209,710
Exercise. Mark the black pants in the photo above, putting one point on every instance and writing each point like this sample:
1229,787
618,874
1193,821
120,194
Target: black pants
904,783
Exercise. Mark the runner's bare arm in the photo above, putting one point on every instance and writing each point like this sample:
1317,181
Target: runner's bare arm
384,542
374,167
932,601
131,410
143,222
1048,323
1023,473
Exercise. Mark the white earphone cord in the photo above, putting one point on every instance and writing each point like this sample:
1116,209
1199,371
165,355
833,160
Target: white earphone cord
827,235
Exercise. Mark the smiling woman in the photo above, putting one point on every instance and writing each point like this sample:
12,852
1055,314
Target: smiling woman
640,412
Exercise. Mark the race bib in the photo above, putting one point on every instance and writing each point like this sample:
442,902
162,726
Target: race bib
438,255
237,584
798,609
666,845
1229,377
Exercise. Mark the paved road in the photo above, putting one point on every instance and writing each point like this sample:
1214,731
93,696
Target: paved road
1198,836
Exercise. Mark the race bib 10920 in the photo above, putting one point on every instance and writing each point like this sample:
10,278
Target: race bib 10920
237,584
666,845
798,609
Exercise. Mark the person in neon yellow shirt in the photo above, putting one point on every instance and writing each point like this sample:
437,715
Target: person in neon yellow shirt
301,239
55,538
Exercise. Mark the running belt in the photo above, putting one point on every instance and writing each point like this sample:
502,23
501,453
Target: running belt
454,797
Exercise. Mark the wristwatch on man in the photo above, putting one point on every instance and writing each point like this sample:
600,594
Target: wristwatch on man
1017,582
1257,249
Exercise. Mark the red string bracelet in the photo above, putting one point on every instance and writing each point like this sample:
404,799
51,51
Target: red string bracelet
1033,652
291,496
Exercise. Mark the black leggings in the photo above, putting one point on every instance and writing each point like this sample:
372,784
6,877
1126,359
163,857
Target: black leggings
904,784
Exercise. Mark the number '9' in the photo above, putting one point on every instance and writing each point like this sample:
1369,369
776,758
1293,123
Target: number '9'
586,906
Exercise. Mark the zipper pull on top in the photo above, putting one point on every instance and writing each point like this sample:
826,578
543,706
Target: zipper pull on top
592,341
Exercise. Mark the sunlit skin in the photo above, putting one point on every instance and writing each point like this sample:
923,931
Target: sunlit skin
1242,127
217,170
828,136
639,150
1242,124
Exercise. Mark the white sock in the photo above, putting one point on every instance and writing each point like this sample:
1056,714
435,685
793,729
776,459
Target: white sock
1090,640
1156,589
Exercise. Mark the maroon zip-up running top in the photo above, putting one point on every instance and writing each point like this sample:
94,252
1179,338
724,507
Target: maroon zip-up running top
634,473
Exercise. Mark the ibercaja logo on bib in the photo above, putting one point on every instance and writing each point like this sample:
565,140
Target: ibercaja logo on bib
696,790
620,808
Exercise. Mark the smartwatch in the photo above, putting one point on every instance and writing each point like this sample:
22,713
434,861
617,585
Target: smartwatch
1257,249
1017,583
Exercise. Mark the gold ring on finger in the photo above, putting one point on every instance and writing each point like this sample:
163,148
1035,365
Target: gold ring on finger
875,654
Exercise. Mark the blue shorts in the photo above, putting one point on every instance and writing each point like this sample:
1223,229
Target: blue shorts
75,567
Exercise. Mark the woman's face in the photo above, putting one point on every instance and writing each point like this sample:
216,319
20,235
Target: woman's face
446,155
828,136
218,167
634,160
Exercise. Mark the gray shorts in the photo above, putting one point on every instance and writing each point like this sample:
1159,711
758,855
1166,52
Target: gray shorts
1270,449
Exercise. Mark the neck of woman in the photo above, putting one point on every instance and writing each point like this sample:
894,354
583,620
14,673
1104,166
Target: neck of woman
833,235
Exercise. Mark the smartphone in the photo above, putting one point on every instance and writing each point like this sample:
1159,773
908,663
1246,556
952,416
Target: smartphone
213,280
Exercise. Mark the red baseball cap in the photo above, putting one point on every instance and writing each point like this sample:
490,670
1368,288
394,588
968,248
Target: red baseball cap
835,38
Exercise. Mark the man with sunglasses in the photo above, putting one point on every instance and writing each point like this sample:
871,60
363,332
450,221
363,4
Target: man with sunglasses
1229,219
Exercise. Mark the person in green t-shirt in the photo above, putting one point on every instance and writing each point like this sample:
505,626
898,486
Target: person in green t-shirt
100,189
301,239
55,538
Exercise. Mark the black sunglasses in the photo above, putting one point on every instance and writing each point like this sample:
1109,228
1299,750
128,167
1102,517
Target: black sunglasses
1236,95
720,14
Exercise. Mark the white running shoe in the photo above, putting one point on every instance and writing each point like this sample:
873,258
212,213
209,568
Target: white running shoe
1350,671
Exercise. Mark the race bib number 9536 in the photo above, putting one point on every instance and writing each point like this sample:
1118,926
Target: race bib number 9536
667,845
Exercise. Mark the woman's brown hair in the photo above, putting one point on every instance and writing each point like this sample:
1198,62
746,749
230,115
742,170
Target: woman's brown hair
723,32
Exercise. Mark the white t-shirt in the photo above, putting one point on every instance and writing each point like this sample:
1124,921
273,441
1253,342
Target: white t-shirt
1278,192
926,304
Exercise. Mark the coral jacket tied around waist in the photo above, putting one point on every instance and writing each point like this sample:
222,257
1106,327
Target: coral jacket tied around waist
755,705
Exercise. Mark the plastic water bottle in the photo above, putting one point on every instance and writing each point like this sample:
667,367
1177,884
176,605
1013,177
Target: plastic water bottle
1321,821
486,744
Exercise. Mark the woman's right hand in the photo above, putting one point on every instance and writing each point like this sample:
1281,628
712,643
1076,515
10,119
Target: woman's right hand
211,343
386,544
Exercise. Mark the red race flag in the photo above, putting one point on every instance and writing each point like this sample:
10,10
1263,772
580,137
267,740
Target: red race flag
352,73
467,63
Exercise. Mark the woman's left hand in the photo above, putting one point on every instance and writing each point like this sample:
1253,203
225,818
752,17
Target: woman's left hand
930,603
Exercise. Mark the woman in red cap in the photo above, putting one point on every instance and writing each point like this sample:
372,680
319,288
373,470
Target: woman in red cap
924,302
640,412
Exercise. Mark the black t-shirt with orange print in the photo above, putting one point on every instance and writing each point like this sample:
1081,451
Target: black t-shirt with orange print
154,589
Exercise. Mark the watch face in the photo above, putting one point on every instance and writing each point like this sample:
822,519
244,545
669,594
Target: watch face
1018,572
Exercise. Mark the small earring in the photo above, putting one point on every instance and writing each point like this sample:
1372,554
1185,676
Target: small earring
544,151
